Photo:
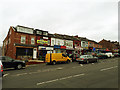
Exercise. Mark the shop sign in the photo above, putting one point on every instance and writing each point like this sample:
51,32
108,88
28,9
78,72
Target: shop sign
42,41
49,48
63,47
24,30
41,48
68,43
57,46
45,37
69,48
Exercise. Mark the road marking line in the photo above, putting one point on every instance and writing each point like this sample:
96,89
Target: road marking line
59,68
59,79
21,74
108,68
81,64
5,75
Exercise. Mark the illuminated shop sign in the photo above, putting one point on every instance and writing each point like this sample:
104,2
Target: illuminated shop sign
63,47
42,42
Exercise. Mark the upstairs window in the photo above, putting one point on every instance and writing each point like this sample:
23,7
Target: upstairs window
39,32
32,40
23,39
45,33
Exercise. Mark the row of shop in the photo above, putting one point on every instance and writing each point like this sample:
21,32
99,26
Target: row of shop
39,52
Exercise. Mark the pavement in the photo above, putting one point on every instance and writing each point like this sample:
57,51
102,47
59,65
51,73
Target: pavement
103,74
34,62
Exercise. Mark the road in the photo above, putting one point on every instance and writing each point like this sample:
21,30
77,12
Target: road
103,74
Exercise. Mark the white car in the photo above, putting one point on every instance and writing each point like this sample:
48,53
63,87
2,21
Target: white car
109,54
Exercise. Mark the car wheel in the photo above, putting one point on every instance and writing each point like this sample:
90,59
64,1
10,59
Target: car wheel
68,61
19,66
54,62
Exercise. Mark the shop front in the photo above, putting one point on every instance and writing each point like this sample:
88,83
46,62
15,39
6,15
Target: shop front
24,53
42,51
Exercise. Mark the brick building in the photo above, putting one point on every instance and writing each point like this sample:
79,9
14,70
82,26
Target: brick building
108,44
25,43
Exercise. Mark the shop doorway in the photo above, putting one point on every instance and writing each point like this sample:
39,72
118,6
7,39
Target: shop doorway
42,54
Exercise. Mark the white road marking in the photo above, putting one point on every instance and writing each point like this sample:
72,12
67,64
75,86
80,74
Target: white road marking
81,64
108,68
59,68
5,75
59,79
20,74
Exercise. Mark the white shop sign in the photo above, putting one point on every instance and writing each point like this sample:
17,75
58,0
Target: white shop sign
45,37
49,48
24,30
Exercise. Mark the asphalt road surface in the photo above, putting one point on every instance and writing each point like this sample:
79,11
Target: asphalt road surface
103,74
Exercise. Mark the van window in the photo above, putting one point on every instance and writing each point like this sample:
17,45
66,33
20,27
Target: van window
64,55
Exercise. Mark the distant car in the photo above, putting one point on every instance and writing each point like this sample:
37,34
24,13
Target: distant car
11,63
1,69
109,54
102,56
116,54
86,59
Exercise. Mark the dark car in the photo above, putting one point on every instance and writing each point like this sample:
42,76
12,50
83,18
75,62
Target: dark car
11,63
116,54
102,56
87,59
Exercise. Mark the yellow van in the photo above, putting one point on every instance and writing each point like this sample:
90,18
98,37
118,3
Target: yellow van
53,58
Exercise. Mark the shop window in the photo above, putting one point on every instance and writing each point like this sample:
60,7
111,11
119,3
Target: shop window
52,42
23,39
32,40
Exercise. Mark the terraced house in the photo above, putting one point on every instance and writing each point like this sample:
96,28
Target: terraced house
28,43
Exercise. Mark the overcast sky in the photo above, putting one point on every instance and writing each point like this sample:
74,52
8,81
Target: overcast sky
93,19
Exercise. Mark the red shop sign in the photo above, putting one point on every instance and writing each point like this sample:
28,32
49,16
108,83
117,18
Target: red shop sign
63,47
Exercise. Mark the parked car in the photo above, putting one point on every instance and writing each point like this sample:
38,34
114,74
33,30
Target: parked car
87,59
53,58
116,54
11,63
102,56
1,69
109,54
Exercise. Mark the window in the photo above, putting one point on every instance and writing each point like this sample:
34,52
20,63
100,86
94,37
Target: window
52,42
64,55
45,33
32,40
58,42
23,39
9,41
48,42
39,32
